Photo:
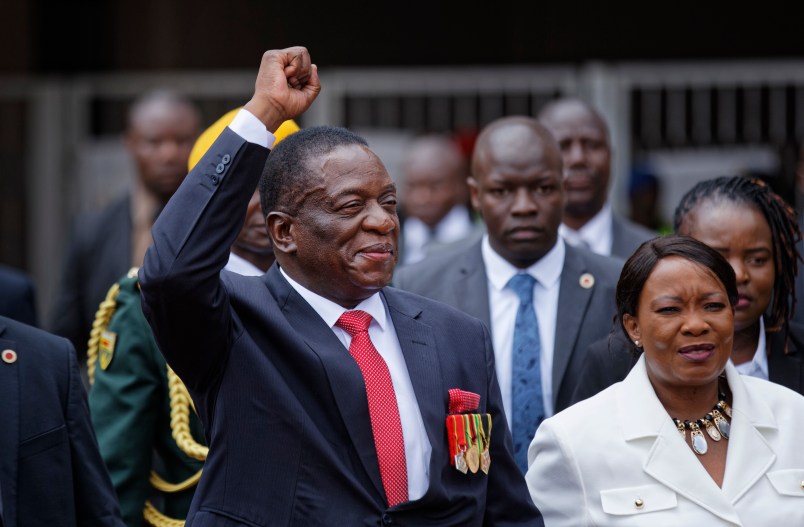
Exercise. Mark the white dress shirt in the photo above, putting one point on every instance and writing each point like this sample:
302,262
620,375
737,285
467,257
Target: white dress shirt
240,265
504,302
758,366
246,125
383,336
595,235
455,226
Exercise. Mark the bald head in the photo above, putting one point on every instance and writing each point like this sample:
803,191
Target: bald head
583,137
434,173
516,185
560,110
161,129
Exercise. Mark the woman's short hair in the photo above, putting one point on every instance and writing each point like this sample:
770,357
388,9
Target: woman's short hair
640,265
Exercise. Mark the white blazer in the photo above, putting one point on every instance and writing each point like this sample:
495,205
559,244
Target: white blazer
590,464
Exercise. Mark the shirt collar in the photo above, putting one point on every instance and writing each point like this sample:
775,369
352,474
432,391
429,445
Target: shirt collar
596,232
547,270
331,312
758,367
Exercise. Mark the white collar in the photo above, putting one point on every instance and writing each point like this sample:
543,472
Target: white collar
759,363
547,270
331,312
596,232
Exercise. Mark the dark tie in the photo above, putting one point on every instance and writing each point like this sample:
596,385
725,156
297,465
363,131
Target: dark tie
383,409
527,408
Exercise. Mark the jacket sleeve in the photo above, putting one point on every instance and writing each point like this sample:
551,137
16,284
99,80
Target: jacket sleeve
95,500
554,479
183,298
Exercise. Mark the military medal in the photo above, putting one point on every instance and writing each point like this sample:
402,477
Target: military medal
468,441
472,455
457,445
460,462
485,457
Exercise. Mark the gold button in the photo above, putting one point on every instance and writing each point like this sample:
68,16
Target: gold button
638,503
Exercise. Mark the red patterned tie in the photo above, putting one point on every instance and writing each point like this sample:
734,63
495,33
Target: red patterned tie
383,410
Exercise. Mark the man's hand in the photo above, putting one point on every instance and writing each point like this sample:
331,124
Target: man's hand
287,84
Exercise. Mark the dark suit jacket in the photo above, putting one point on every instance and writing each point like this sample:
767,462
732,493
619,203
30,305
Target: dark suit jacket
17,298
584,314
610,362
282,403
627,236
51,472
99,253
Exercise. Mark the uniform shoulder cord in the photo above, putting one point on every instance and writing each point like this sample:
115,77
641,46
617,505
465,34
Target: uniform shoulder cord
180,404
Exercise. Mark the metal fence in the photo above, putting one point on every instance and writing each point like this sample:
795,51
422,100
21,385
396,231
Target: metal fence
60,147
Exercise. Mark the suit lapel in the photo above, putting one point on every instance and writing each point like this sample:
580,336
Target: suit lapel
471,284
421,358
666,457
749,456
573,301
9,429
348,387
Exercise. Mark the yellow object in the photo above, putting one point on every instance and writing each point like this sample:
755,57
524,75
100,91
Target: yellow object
209,135
102,319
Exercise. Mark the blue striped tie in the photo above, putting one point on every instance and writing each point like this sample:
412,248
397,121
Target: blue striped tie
527,407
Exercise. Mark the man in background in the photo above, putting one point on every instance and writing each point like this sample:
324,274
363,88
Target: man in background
434,197
543,300
588,219
105,244
51,472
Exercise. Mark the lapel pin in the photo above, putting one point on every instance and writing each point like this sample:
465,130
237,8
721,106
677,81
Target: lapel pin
587,280
9,356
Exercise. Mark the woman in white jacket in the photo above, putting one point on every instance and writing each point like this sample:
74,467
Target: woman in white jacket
684,437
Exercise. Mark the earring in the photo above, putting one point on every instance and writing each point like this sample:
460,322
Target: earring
636,343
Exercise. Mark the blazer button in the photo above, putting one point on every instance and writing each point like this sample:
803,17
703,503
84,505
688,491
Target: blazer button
225,159
387,519
638,503
215,179
220,168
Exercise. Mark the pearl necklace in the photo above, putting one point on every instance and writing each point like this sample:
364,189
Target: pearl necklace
714,423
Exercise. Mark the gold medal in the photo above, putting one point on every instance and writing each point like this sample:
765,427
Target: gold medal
473,459
485,461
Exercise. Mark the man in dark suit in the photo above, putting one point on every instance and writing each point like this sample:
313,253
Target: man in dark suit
17,296
588,220
516,185
105,244
51,472
308,422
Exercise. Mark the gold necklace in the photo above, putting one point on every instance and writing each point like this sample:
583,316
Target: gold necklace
714,423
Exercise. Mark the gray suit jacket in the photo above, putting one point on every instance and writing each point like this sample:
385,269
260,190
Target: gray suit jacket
627,236
584,314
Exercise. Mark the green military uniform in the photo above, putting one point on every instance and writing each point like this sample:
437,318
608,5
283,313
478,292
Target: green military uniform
130,405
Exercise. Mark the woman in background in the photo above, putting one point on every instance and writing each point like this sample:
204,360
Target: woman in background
756,231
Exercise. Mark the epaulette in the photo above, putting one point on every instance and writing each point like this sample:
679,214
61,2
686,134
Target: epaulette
100,347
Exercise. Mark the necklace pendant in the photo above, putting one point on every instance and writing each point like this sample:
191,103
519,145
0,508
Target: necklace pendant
697,440
724,407
711,429
723,426
681,429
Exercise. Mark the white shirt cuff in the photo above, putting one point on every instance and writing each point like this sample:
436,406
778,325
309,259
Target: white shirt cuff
247,126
